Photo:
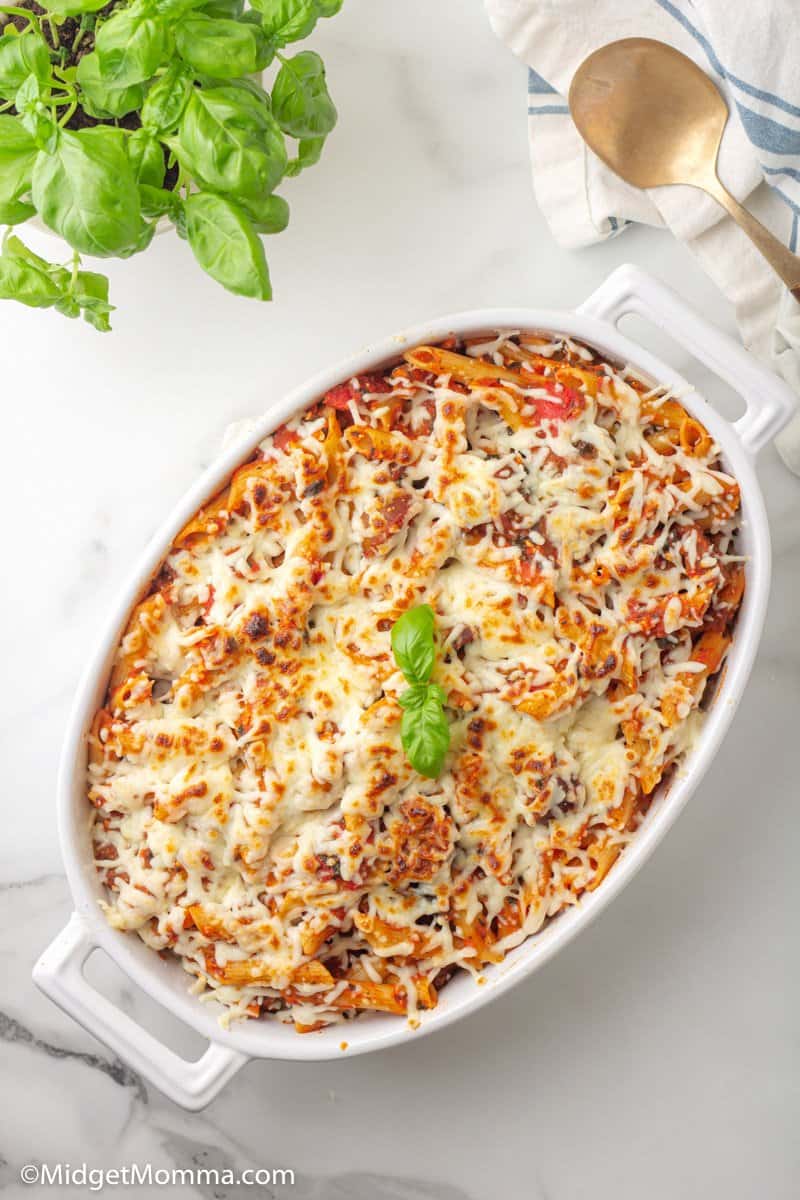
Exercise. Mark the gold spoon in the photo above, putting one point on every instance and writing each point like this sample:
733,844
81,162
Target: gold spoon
655,118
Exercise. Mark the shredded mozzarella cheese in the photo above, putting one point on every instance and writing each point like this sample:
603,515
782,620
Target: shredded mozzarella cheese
255,815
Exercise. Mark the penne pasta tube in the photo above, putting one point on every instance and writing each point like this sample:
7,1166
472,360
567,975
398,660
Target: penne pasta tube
460,366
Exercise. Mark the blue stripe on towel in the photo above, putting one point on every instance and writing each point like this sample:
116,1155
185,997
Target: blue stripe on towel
538,86
742,84
768,134
767,97
696,34
544,110
793,235
789,172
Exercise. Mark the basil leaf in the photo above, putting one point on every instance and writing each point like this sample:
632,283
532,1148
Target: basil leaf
131,45
328,8
35,116
425,732
424,729
286,21
269,214
264,100
229,142
166,99
414,697
90,293
146,235
309,151
146,156
72,8
14,212
20,280
300,99
86,191
21,57
17,155
419,694
14,248
223,8
221,47
175,9
102,97
226,246
414,643
26,277
160,202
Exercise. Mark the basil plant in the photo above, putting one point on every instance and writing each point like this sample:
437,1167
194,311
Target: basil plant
114,116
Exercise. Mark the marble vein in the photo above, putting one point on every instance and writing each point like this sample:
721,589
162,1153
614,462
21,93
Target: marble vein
12,1030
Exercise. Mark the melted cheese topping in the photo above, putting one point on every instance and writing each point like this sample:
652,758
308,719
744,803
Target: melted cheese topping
255,813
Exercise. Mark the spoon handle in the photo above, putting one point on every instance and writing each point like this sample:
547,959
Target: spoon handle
783,262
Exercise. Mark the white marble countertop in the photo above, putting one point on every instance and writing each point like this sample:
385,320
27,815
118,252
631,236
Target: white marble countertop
658,1056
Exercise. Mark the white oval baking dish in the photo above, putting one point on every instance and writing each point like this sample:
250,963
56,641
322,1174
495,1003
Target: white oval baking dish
59,972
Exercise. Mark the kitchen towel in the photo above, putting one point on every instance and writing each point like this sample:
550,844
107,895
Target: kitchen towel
752,52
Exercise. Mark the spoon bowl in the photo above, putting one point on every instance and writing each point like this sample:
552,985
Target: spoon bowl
648,112
656,119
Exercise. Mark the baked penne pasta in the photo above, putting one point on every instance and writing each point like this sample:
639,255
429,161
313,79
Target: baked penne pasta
254,814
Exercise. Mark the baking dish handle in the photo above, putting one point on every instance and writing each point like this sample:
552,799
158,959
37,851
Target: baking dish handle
59,974
770,402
